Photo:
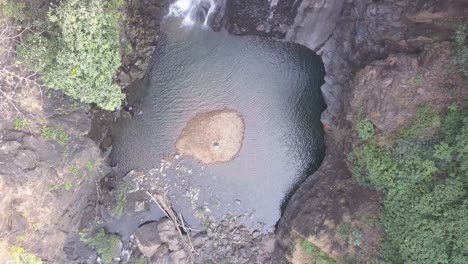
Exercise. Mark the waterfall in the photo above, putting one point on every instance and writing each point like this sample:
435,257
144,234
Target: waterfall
193,11
273,4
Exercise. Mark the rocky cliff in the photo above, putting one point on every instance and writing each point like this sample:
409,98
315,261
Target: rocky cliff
384,58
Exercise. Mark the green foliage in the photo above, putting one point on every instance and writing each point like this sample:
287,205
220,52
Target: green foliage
348,259
225,260
315,253
141,260
424,182
356,238
58,134
106,245
89,165
80,54
365,129
425,122
12,9
20,256
67,186
349,234
19,123
48,133
461,50
345,231
415,80
73,170
121,200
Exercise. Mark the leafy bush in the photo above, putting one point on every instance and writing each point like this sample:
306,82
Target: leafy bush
365,128
19,123
12,9
461,51
121,200
425,122
79,55
55,134
106,245
356,238
424,182
345,231
315,253
20,256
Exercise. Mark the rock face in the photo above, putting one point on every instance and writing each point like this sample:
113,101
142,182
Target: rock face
390,91
212,137
140,37
258,17
351,34
46,188
386,57
315,22
160,242
148,240
326,202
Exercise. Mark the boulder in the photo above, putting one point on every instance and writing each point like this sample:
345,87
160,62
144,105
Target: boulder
148,239
169,234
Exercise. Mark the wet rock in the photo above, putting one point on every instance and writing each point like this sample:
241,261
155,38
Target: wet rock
140,206
169,234
315,22
148,239
247,17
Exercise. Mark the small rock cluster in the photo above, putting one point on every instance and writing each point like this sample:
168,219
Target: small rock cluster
232,242
228,242
160,242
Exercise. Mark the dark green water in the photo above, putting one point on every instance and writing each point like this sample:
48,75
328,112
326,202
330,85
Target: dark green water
276,88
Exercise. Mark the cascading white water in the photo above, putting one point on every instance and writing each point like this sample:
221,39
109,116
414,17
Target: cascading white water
193,11
273,4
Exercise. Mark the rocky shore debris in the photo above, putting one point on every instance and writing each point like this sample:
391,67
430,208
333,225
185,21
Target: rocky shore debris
170,231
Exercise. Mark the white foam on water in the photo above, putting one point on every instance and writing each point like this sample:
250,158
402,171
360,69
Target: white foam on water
187,8
211,10
273,3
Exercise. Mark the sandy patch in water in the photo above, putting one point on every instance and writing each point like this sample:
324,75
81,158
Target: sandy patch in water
212,137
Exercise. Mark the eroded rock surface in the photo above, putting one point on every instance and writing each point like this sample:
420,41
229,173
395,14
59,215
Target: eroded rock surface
326,201
386,57
212,137
47,173
390,91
